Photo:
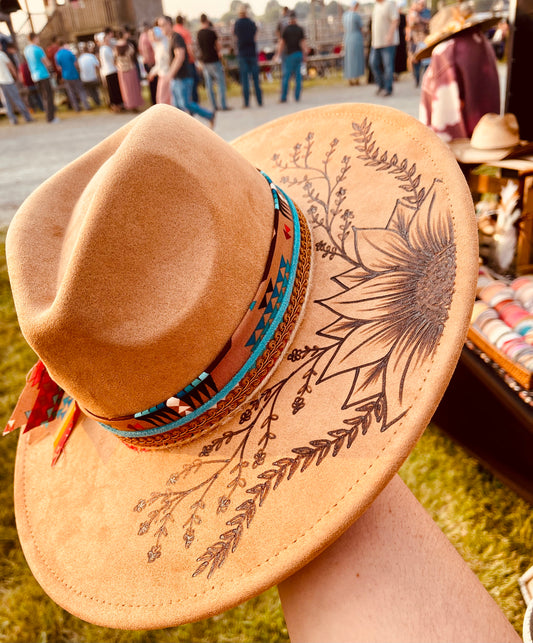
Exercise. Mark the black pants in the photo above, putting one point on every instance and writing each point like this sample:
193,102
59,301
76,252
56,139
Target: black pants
152,84
47,94
196,79
92,87
113,89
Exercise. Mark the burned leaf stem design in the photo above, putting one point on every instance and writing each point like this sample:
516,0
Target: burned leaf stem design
373,156
326,210
264,408
284,469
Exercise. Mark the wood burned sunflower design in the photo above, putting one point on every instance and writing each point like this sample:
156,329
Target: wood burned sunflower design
391,302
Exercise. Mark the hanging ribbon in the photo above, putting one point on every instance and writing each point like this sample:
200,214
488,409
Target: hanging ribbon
41,403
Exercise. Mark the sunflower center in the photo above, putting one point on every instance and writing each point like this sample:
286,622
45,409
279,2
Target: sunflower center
434,287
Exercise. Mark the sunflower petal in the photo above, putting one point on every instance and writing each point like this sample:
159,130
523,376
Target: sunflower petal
430,229
401,217
364,345
351,277
380,250
367,386
373,299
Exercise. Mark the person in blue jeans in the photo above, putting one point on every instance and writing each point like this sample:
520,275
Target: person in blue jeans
68,64
209,45
179,74
214,75
39,65
9,92
385,39
245,31
382,64
292,45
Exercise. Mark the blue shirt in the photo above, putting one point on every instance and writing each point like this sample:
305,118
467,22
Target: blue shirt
66,60
244,31
34,56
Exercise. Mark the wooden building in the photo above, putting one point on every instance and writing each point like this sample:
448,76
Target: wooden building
81,19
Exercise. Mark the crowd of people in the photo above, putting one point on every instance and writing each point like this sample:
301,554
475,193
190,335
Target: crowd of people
452,55
387,45
393,38
171,60
113,66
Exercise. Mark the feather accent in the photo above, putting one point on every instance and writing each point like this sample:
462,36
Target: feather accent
72,414
505,232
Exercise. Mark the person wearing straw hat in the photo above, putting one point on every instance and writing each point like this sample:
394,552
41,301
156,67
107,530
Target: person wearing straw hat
461,83
227,380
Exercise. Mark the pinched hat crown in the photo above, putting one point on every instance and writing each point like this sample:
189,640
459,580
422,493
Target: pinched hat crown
181,222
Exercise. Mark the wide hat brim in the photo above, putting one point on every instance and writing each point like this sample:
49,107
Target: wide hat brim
465,153
469,26
152,539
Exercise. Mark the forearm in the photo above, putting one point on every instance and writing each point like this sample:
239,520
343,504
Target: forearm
393,575
177,62
279,48
392,30
13,71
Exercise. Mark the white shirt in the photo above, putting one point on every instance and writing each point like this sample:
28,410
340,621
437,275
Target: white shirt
162,55
88,64
107,60
383,15
5,75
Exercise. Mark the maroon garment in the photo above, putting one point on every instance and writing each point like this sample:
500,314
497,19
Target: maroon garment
26,74
460,85
51,52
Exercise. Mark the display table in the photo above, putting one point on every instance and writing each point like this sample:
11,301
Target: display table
491,418
485,409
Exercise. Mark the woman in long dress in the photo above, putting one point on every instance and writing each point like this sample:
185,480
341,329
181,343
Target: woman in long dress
128,77
354,55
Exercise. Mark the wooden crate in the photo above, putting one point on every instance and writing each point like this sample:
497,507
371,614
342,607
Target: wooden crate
515,370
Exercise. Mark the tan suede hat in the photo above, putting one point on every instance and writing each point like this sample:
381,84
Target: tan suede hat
232,367
495,137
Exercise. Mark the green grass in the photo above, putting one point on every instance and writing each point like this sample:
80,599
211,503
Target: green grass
489,524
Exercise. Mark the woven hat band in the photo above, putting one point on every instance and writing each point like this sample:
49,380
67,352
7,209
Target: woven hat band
247,358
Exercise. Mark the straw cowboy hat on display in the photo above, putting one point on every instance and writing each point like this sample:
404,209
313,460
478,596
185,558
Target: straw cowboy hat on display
232,365
494,138
451,21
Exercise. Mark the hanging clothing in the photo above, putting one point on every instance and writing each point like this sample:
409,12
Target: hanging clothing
460,85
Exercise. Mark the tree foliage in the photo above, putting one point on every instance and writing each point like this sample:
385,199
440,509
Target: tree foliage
272,11
234,9
302,9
